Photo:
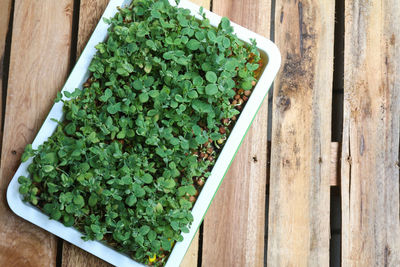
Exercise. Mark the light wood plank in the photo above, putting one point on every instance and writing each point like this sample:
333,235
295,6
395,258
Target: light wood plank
38,68
334,178
4,23
370,157
298,233
234,225
203,3
192,255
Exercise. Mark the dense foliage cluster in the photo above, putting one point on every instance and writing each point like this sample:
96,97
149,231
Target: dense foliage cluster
137,142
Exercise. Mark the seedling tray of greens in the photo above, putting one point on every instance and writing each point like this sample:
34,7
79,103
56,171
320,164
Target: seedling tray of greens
138,138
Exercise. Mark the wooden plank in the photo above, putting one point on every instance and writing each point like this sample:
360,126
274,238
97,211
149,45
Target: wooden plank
335,159
38,68
90,12
298,230
203,3
234,225
191,256
370,157
4,23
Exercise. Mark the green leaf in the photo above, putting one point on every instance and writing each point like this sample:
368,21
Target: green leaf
131,200
197,81
201,106
114,108
107,94
92,200
211,77
211,35
169,183
193,94
247,85
147,178
123,72
193,44
78,200
225,24
68,220
144,97
138,85
138,191
95,228
211,89
144,230
48,168
151,235
166,245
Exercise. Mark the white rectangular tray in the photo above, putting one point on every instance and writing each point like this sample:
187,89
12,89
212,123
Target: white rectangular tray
80,74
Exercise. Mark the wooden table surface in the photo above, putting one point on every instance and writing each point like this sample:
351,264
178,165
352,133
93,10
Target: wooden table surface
334,112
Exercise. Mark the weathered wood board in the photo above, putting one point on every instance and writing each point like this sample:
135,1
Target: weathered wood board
370,157
234,225
39,64
298,233
4,26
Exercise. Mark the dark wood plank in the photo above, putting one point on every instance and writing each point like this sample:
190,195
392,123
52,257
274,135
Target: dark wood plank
298,233
234,225
38,68
370,157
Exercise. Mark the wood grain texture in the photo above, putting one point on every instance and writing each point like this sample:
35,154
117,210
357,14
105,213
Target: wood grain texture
4,25
38,68
298,233
334,178
234,225
203,3
370,157
192,255
90,12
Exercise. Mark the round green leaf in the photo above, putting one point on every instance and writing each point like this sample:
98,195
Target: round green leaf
193,44
147,178
211,76
131,200
211,89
